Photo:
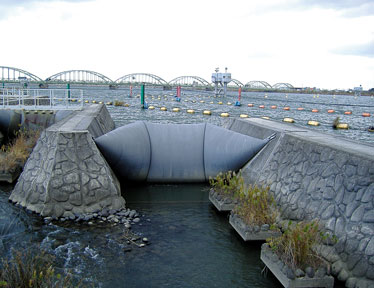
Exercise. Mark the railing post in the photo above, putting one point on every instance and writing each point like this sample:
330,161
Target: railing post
50,101
52,96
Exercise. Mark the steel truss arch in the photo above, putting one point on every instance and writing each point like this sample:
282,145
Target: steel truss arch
189,81
282,86
16,74
235,83
79,76
138,78
258,85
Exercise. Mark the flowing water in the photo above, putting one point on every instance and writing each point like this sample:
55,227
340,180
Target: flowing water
190,243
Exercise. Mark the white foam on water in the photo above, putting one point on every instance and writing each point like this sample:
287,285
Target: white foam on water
91,252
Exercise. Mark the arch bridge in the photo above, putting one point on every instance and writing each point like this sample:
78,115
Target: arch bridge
11,74
189,81
235,83
283,86
79,76
258,85
139,78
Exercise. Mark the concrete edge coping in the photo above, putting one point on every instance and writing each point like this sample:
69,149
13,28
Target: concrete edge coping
79,120
328,140
237,223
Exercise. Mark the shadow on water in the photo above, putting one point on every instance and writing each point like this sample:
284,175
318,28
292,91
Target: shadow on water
193,245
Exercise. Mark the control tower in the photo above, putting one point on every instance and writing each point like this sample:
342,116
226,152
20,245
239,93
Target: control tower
221,79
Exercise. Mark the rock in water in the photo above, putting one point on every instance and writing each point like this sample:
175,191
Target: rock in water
309,272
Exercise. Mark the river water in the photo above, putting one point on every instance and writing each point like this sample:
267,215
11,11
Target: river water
190,243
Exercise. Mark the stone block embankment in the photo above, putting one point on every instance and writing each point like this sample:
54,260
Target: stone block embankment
317,175
66,175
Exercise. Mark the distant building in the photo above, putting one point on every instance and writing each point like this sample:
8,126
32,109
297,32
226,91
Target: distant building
357,90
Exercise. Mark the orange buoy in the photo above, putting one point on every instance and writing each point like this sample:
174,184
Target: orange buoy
273,106
261,106
348,112
286,108
330,111
300,109
366,114
250,105
314,110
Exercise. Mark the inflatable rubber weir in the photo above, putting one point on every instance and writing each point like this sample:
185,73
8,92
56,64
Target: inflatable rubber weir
167,153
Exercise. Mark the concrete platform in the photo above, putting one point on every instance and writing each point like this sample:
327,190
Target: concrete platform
222,204
10,177
302,282
248,233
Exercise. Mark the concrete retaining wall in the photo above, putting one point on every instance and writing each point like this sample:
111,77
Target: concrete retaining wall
66,175
319,175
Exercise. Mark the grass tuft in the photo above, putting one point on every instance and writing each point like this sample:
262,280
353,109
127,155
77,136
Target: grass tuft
256,206
28,271
230,184
296,246
18,150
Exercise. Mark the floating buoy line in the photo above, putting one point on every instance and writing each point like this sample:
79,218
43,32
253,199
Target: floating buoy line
343,126
262,106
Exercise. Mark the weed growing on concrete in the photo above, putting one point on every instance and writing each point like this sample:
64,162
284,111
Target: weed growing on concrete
295,247
256,206
26,270
230,184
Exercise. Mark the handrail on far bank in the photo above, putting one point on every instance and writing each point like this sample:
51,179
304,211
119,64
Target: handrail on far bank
41,99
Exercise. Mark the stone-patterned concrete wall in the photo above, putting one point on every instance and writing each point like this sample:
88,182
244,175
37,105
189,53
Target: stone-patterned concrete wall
66,175
319,175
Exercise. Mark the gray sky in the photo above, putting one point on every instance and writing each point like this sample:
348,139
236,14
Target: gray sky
327,44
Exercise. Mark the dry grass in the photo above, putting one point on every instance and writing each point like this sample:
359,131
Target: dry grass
296,245
25,270
17,152
230,184
256,206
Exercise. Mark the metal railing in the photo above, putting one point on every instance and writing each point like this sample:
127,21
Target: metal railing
41,99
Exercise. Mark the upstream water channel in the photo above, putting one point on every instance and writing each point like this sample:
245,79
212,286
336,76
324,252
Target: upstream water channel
190,243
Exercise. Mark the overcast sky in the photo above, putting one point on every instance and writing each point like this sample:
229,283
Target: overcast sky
322,43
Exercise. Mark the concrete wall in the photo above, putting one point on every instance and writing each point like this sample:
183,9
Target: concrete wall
319,175
65,174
